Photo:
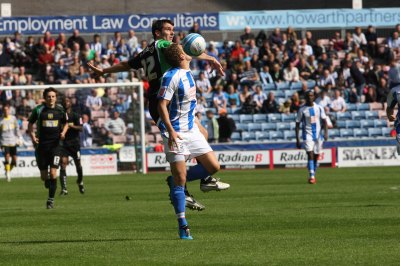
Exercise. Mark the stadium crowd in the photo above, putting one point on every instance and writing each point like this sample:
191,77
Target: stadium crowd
264,73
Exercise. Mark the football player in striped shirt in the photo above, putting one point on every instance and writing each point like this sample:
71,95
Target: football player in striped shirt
9,137
182,137
310,117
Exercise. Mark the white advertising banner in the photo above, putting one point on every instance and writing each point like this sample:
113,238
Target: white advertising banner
96,164
368,156
299,157
228,159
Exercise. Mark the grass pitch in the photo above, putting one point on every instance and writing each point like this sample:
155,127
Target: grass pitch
351,216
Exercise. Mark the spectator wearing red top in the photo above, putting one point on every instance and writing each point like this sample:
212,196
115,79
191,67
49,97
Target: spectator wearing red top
49,41
237,51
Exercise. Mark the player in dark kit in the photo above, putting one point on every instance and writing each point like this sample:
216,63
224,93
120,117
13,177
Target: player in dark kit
152,60
71,148
51,127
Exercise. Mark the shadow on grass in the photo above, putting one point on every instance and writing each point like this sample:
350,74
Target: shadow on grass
29,242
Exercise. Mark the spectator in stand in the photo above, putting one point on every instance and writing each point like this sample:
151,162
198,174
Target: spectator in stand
359,38
248,106
284,108
61,72
304,69
93,101
73,69
132,41
265,76
247,36
384,55
252,48
324,100
49,41
244,93
75,38
203,84
226,126
319,49
338,43
259,98
45,60
114,126
275,39
86,135
295,103
310,39
88,54
394,42
382,90
357,76
370,96
372,40
349,43
249,75
96,45
123,50
82,77
237,51
394,74
5,58
338,104
195,28
61,40
116,39
233,99
308,50
270,105
291,73
68,58
326,81
24,110
325,60
212,126
225,50
277,74
219,100
361,57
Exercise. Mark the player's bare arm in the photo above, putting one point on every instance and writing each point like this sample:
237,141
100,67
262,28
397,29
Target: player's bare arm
120,67
390,114
163,111
64,131
32,134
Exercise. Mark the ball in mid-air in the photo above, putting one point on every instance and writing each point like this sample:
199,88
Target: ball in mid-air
194,44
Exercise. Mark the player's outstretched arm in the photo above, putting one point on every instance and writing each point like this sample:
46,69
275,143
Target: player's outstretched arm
214,63
120,67
35,140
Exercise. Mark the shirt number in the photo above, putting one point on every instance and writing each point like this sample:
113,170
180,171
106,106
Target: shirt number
148,66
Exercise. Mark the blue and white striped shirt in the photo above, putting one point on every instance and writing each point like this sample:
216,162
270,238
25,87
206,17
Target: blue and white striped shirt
178,86
310,119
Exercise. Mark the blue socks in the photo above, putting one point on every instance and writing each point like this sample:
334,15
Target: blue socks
196,172
311,167
179,201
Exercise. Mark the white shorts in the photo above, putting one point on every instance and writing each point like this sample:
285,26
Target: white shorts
191,146
313,145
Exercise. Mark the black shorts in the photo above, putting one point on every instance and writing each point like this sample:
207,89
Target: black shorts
12,150
48,156
153,108
73,151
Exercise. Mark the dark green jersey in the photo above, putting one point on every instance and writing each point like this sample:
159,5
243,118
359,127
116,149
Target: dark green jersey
49,122
72,136
152,60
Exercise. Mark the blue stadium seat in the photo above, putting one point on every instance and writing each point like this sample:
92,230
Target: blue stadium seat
292,125
289,135
386,131
282,86
296,85
351,107
288,117
235,117
269,87
268,126
346,132
254,127
367,123
333,133
343,116
371,115
274,118
380,123
242,127
358,115
259,118
246,118
360,132
236,136
247,136
289,94
353,124
279,94
260,135
341,123
363,107
276,135
282,126
235,110
311,83
375,132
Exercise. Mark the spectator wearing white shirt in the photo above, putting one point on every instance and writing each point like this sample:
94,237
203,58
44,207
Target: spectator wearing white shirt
326,80
93,101
96,45
359,38
394,42
324,100
203,84
305,48
259,98
86,138
338,104
291,73
132,41
394,74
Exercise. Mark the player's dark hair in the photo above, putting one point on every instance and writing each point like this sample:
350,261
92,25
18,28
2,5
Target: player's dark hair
158,25
49,89
172,54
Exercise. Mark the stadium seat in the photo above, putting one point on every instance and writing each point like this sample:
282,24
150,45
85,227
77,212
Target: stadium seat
150,138
292,125
279,94
353,124
386,131
363,107
333,133
360,132
311,84
346,132
246,118
276,135
351,107
282,86
367,123
236,136
380,123
235,110
269,87
254,127
371,115
260,135
341,123
374,132
358,115
259,118
289,135
268,126
235,117
282,126
343,116
274,118
289,94
247,136
296,85
242,127
288,117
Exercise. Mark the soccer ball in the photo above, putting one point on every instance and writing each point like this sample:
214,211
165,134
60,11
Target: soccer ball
194,44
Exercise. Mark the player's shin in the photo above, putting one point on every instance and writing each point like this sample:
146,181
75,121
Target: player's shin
52,188
316,156
310,167
178,199
63,178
